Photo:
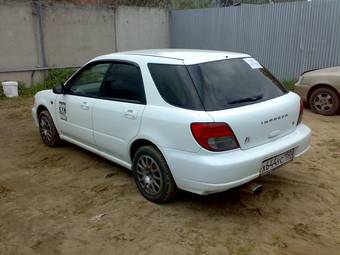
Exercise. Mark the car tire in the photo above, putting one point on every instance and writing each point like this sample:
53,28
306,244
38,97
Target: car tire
324,101
48,131
152,175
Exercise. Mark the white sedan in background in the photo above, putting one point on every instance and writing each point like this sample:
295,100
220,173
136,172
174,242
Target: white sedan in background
196,120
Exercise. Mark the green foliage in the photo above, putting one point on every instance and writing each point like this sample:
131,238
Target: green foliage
55,77
289,84
2,94
24,91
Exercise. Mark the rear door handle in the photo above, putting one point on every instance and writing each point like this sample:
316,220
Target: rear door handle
130,114
84,106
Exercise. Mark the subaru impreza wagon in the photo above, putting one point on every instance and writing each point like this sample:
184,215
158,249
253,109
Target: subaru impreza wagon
196,120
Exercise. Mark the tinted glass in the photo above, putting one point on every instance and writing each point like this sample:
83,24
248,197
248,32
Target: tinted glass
175,85
123,82
232,83
89,81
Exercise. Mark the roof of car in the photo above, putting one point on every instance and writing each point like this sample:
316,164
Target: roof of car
188,56
182,54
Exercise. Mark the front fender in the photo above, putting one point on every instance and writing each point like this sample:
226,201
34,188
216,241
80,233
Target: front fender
46,99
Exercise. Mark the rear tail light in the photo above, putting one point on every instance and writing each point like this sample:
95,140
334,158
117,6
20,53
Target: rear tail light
214,136
301,113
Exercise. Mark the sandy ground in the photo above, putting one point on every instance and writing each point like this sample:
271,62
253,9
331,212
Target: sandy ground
48,198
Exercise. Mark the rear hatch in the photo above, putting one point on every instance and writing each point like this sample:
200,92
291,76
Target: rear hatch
243,94
263,122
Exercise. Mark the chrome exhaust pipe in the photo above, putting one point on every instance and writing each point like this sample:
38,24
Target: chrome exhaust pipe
252,188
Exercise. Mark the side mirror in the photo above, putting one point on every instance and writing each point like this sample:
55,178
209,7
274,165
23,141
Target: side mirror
58,89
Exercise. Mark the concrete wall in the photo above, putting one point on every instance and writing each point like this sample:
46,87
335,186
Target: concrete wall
73,34
17,39
142,28
17,36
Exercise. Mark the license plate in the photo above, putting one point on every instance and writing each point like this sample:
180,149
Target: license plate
274,162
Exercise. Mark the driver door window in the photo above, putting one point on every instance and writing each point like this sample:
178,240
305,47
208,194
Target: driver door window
75,120
88,82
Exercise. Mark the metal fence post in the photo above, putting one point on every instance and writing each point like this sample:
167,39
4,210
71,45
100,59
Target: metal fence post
37,11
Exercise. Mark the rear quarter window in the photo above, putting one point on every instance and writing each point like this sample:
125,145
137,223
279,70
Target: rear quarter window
175,85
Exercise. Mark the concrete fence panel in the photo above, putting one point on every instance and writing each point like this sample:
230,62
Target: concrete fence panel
73,34
142,28
37,36
18,46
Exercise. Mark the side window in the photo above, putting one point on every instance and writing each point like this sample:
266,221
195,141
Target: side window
88,82
123,82
175,85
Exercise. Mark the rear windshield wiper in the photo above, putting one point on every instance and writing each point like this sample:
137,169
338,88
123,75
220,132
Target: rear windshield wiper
246,99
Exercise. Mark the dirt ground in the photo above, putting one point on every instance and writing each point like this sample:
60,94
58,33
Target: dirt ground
49,199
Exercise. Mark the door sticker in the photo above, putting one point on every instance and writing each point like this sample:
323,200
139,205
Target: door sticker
252,63
62,110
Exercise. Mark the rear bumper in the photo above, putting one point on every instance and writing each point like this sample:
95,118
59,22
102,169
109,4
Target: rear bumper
205,172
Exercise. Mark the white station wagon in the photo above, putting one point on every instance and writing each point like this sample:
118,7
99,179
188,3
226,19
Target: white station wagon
196,120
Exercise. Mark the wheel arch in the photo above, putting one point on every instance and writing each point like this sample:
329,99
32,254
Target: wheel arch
41,108
136,144
321,85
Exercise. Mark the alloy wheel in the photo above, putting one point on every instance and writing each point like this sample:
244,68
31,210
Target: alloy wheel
323,102
45,129
149,175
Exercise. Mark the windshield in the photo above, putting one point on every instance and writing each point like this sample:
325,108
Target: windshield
215,85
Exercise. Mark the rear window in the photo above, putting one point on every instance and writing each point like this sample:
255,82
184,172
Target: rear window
232,83
216,85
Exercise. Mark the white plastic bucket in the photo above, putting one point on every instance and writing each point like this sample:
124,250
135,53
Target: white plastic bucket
10,88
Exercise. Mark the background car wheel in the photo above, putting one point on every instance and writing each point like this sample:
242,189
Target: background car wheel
48,131
152,175
324,101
